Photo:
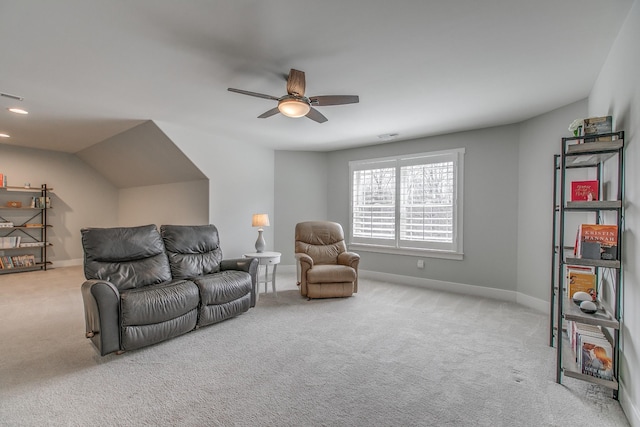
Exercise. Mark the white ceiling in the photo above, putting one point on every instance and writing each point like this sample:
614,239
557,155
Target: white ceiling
89,69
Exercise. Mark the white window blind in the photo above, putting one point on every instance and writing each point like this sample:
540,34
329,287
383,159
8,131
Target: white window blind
408,202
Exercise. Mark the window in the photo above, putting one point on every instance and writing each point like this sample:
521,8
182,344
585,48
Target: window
408,204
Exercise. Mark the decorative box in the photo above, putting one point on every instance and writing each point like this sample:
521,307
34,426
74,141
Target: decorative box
14,204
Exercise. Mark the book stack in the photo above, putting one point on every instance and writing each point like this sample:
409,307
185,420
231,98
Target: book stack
597,241
6,224
9,242
597,125
17,261
594,353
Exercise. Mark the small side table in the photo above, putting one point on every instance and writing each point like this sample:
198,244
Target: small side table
266,259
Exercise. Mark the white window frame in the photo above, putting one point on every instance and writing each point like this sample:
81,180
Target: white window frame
452,250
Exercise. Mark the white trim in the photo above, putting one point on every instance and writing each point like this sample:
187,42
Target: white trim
67,263
628,406
440,285
533,303
417,252
536,304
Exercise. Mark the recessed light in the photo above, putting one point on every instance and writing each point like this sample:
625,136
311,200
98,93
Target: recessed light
18,110
4,135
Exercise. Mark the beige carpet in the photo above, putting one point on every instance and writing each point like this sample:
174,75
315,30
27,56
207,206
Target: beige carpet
389,356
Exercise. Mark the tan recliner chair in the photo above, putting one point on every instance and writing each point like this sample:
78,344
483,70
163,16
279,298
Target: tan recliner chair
326,269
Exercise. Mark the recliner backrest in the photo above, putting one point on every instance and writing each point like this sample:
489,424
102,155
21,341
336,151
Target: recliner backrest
323,241
128,257
193,250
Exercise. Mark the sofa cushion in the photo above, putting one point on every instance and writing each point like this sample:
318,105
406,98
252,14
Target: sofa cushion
128,257
222,287
158,303
193,250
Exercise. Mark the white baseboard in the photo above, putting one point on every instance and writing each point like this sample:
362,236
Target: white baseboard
440,285
628,406
67,263
459,288
533,303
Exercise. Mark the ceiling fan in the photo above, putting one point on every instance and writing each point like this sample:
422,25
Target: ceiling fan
295,104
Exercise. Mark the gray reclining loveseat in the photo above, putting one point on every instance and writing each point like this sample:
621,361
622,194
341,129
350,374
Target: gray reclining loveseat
145,286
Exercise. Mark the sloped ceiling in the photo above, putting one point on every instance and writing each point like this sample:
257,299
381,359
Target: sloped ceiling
140,156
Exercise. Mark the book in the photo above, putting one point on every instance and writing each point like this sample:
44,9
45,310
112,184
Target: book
584,190
595,126
596,356
597,241
581,279
577,329
6,261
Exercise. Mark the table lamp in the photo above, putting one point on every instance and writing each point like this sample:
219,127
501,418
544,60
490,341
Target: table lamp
260,220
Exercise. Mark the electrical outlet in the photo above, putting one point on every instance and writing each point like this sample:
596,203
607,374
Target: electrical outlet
420,263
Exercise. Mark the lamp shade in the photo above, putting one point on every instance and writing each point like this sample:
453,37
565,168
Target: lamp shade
293,107
260,220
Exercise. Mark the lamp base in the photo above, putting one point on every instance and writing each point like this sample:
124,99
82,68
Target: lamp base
260,243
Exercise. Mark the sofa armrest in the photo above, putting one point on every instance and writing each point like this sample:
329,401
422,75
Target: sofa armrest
102,315
250,265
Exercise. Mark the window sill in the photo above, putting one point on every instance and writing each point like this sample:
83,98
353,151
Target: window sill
423,253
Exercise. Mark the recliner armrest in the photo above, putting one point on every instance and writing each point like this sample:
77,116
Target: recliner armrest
250,265
102,315
304,258
351,259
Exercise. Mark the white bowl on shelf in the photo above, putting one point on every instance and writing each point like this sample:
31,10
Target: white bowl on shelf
579,297
588,307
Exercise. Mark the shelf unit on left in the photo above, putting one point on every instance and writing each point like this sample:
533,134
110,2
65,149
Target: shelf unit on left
23,228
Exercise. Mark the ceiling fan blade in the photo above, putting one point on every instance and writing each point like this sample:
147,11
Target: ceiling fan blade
269,113
256,94
334,100
296,82
316,116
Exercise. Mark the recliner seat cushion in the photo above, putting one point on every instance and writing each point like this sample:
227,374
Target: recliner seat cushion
223,287
223,295
158,303
331,273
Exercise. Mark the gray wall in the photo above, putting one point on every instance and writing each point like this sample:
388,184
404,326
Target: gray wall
185,203
490,207
241,183
540,139
81,197
490,204
617,92
302,194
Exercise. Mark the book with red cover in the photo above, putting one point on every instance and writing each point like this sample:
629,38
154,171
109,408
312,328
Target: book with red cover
598,241
584,190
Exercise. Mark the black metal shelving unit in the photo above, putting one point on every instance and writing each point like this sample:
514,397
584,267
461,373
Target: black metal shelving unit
28,222
578,154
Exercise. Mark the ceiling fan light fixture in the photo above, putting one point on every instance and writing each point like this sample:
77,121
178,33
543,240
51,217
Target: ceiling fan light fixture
293,107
